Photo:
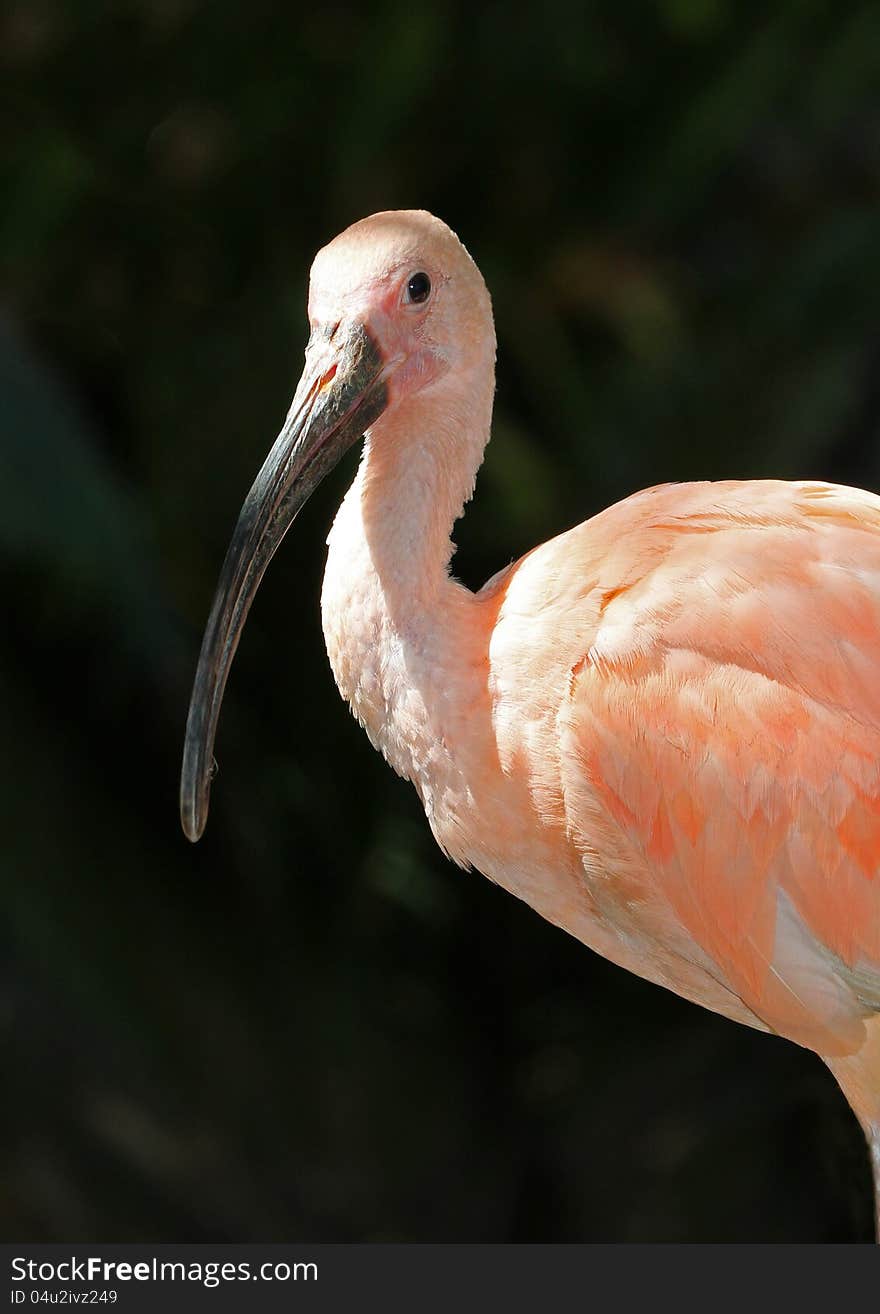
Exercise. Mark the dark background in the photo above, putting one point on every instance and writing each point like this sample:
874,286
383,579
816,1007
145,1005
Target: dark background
311,1026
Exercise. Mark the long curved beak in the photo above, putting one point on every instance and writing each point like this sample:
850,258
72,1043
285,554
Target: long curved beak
341,393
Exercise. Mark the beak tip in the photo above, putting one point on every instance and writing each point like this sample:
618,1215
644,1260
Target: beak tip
195,775
193,814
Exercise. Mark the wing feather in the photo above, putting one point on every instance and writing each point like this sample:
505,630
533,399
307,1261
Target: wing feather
719,746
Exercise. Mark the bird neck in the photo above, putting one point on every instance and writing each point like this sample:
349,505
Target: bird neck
393,617
419,468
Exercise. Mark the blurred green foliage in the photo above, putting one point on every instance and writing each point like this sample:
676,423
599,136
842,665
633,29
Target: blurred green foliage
311,1026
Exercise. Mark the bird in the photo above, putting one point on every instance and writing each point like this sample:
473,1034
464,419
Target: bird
660,729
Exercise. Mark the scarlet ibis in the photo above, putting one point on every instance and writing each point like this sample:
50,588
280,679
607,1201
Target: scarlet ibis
660,729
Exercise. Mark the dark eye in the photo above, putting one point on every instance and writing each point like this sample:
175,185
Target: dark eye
418,289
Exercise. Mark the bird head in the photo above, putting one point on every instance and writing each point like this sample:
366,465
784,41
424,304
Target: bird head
404,280
396,308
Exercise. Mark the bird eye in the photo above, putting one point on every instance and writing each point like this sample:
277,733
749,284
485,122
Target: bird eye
418,289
